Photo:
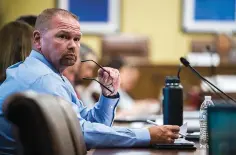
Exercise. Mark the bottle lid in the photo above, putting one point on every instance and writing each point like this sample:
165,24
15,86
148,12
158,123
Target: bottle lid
172,79
208,97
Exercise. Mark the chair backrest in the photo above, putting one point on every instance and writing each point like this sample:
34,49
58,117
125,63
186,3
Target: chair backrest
47,125
133,47
74,127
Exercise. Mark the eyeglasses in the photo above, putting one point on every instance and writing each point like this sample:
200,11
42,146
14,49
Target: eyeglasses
89,78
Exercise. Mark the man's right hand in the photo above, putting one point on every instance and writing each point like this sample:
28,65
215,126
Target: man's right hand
164,134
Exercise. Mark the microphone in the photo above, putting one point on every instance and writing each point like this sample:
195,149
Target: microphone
186,63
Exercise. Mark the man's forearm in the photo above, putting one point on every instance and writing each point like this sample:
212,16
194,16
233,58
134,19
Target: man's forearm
103,111
97,135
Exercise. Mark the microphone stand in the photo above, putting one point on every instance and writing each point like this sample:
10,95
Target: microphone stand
187,64
212,67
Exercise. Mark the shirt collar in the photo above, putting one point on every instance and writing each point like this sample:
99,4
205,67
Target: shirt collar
40,57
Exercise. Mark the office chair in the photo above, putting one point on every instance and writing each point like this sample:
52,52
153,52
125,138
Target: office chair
47,125
133,48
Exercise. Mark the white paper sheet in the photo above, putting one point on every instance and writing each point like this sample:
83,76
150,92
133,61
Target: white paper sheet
183,129
183,141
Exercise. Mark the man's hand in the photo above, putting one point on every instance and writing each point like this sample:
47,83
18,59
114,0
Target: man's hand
164,134
111,80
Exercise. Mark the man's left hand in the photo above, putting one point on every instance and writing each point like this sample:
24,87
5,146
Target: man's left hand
111,80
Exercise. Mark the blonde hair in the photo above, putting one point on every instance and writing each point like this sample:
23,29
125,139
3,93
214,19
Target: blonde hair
15,44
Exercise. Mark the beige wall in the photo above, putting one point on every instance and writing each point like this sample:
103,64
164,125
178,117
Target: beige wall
159,19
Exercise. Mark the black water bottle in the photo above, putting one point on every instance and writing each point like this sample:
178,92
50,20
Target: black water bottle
172,102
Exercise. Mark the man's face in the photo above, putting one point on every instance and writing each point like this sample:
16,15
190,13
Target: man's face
60,43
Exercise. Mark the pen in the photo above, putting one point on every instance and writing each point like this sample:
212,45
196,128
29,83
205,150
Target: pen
153,123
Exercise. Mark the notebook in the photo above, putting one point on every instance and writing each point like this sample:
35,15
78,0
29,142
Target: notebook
179,144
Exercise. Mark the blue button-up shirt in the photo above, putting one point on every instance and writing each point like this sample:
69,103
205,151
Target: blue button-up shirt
37,74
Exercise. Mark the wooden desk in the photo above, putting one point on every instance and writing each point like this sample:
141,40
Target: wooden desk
145,151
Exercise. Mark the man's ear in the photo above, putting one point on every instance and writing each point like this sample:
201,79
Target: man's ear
36,40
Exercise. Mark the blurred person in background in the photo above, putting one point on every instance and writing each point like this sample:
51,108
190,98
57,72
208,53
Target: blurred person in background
78,71
85,69
71,71
29,19
15,45
127,105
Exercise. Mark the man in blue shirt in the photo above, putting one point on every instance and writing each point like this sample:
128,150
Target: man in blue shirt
56,43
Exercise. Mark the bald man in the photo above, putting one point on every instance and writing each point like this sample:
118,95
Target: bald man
56,45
